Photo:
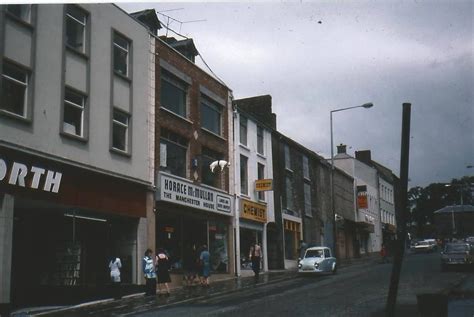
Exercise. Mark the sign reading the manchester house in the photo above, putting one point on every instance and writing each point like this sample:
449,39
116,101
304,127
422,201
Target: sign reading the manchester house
186,193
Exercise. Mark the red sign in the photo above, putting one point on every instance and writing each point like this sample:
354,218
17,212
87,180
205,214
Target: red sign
362,202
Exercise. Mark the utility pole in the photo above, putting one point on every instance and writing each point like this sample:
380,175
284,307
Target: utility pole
403,199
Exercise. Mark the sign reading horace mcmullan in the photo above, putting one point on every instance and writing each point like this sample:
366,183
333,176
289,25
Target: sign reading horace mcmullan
183,192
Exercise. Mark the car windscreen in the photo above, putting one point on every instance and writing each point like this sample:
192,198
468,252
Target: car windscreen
314,254
457,248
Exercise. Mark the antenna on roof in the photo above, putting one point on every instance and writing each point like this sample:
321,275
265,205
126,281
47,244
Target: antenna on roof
175,20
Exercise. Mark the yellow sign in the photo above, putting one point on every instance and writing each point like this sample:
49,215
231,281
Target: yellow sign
253,211
262,185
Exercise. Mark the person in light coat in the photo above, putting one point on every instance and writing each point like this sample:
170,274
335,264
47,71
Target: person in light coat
115,265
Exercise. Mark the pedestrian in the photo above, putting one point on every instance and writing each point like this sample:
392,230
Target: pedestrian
255,256
163,271
149,272
189,265
205,261
383,254
303,247
115,265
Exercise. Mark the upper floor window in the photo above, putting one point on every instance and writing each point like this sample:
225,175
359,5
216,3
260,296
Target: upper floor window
260,146
287,157
210,115
305,167
121,54
14,90
120,130
73,117
244,180
289,193
173,150
261,175
20,11
208,177
243,130
173,94
307,200
76,20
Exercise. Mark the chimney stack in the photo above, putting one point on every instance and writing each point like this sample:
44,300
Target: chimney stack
364,156
341,149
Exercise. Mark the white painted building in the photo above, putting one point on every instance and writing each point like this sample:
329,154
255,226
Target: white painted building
254,209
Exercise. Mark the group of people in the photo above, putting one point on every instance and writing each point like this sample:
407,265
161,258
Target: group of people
157,271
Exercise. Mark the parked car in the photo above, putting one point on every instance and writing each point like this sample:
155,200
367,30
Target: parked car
425,246
455,254
318,260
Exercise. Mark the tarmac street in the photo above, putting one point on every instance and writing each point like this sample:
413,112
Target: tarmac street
359,289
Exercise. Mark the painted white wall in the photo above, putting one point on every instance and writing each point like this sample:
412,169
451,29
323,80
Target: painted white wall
387,199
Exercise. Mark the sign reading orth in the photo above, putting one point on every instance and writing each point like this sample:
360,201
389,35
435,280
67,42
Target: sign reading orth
183,192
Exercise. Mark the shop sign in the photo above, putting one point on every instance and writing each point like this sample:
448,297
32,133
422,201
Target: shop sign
362,202
263,185
183,192
169,229
18,174
253,211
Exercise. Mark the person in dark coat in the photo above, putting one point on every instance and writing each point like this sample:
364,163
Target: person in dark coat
163,271
256,256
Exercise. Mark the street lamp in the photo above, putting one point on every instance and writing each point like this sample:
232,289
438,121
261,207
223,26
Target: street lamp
366,106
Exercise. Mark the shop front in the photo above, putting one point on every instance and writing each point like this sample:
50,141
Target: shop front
292,230
253,217
190,216
65,223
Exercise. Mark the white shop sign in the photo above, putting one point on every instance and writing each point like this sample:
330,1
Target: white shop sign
183,192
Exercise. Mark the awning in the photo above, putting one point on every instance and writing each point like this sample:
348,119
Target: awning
366,227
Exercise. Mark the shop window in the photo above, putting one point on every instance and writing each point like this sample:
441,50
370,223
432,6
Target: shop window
243,130
73,117
307,200
120,131
76,20
208,177
305,167
244,186
287,157
14,90
261,175
173,149
173,94
20,11
260,140
210,115
121,55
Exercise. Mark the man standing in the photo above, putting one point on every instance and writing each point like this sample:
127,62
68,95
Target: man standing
303,247
255,256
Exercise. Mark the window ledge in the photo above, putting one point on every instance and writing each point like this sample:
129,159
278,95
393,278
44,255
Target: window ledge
212,133
19,21
126,78
176,115
308,216
76,52
245,147
120,152
307,179
263,156
74,137
15,116
245,196
288,170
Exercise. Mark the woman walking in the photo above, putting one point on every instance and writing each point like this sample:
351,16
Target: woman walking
149,272
205,272
162,271
115,265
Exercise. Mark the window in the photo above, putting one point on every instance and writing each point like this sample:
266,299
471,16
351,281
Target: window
244,187
261,175
120,126
73,117
173,94
287,157
307,200
14,90
208,177
305,167
327,254
121,56
75,28
289,193
243,130
210,115
20,11
173,149
260,147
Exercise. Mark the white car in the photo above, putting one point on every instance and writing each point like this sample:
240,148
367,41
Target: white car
317,260
424,246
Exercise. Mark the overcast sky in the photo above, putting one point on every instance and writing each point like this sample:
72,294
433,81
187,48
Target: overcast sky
313,57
